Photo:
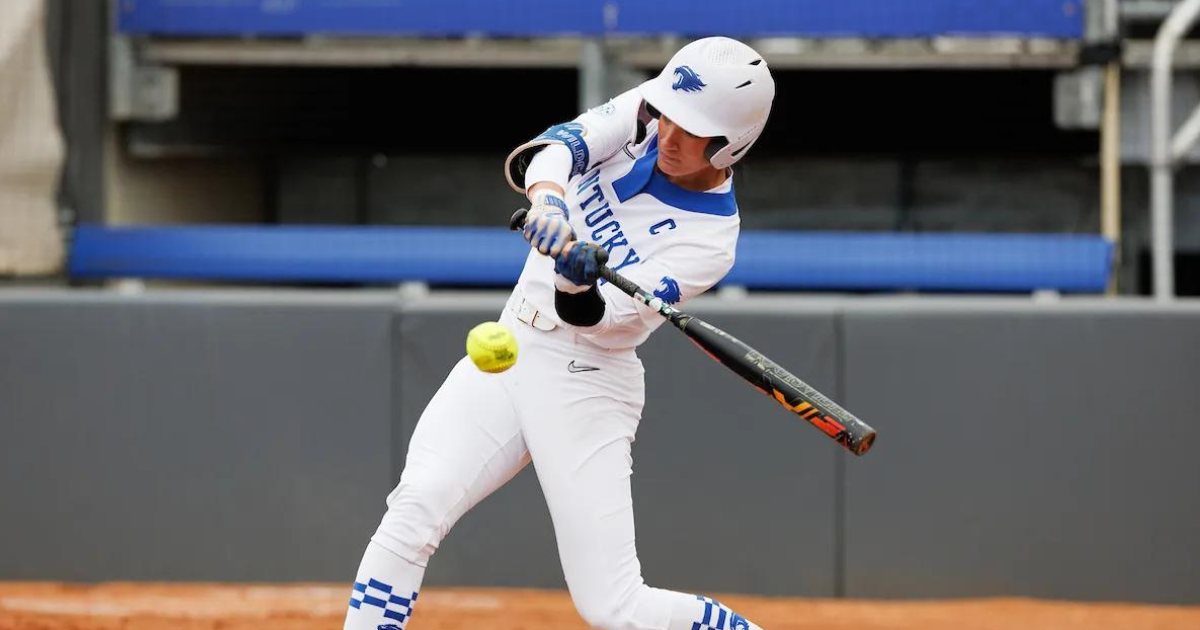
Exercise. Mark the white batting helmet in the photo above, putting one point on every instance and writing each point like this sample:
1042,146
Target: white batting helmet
715,88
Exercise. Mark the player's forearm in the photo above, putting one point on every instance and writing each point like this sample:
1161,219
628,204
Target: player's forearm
546,226
550,170
547,186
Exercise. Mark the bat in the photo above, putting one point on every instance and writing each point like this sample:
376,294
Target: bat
756,368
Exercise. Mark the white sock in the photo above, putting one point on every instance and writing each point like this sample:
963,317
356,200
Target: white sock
385,591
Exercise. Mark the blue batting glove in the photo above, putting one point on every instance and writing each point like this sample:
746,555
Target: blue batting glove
546,226
578,267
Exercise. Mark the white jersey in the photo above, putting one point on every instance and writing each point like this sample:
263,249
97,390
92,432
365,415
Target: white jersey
672,242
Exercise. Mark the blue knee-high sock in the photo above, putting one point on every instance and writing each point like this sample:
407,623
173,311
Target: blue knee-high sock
671,610
713,615
385,591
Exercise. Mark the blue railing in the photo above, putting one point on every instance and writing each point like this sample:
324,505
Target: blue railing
494,257
746,18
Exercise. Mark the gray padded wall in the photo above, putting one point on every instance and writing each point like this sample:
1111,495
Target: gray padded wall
191,437
1044,450
734,494
1025,451
730,493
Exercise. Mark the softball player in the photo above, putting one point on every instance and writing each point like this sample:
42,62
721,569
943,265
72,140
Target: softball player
646,177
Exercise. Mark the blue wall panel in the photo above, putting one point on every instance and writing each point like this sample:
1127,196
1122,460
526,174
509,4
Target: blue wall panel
855,18
813,18
373,17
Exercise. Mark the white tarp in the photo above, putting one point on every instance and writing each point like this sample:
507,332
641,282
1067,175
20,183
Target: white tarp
31,146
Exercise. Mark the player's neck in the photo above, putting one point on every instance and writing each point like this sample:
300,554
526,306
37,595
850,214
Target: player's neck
704,179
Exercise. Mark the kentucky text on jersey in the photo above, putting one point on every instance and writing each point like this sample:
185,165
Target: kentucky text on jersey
606,229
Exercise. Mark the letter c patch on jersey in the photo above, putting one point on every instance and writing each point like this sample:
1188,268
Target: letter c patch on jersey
668,224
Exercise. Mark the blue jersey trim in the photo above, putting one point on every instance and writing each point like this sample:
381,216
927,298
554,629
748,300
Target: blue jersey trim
644,178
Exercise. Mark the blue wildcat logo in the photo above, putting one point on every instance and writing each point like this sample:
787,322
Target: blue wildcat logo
687,80
668,290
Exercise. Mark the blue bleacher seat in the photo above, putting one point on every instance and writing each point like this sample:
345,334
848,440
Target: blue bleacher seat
494,256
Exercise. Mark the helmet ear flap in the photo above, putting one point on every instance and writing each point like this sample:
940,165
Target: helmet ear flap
714,147
726,155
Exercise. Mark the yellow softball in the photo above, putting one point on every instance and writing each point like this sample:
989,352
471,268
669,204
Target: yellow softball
492,347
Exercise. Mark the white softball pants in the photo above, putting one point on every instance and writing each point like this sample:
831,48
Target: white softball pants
577,426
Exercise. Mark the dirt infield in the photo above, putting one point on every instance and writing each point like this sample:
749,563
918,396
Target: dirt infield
124,606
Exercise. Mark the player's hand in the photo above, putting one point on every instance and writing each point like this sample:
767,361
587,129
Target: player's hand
578,267
546,225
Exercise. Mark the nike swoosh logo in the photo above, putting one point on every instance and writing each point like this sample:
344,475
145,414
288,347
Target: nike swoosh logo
572,368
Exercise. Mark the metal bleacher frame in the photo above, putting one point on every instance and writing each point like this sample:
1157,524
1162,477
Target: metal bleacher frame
608,40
